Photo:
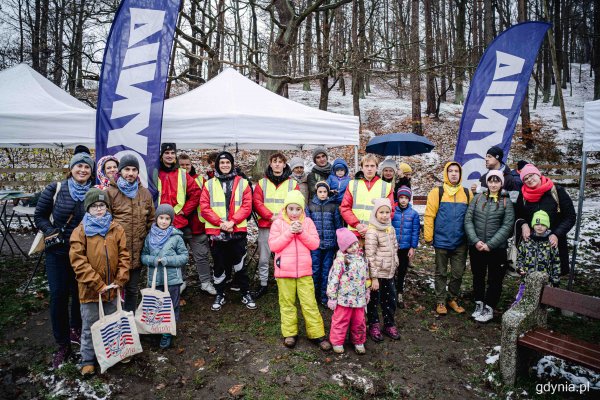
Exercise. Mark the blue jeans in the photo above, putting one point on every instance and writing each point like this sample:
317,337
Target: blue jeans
89,315
174,291
63,285
322,259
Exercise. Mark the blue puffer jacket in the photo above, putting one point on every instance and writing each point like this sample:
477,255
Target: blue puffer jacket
407,225
61,210
326,216
173,252
338,184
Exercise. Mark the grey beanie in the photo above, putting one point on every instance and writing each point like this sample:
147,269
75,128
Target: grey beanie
317,151
165,209
296,162
129,160
81,158
388,163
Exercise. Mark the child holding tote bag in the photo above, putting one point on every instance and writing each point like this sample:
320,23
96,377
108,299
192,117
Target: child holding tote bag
100,259
164,247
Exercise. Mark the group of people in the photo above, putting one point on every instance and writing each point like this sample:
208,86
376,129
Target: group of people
342,242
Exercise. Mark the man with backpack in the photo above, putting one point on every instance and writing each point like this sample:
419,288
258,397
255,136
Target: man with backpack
444,228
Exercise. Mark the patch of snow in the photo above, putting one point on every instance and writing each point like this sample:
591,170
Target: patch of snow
550,367
162,359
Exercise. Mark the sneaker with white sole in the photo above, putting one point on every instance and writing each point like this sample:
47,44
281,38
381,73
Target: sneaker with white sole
478,309
338,349
486,315
248,301
208,288
359,349
218,303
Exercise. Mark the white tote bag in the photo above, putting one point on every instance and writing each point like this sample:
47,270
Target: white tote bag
115,336
156,314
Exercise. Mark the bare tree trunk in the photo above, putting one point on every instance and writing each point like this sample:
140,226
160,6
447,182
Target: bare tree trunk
460,58
596,50
488,26
307,50
430,88
415,85
556,70
526,132
59,27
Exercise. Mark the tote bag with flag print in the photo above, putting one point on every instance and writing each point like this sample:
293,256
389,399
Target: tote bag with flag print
115,336
155,314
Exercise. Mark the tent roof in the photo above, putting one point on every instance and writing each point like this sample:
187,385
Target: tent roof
35,112
231,110
591,126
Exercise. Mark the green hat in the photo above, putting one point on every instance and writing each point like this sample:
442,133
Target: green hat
541,218
95,195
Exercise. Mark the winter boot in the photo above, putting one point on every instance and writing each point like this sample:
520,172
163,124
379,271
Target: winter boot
454,305
375,333
441,309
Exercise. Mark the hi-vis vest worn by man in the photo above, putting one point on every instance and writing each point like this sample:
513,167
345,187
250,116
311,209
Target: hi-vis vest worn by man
272,198
199,179
218,206
362,196
178,189
181,190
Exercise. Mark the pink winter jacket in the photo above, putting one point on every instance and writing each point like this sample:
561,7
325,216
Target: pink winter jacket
292,251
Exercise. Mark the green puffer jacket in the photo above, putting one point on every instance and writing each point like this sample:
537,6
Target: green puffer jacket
490,221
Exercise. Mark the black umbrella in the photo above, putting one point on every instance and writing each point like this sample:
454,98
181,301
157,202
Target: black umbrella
399,144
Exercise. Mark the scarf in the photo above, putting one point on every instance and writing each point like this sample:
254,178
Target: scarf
96,225
277,180
158,237
76,190
323,171
166,168
493,196
534,195
452,189
378,225
128,189
102,177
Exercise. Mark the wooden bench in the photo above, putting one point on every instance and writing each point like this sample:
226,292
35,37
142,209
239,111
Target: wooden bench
526,322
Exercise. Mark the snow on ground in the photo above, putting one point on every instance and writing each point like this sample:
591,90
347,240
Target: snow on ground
553,368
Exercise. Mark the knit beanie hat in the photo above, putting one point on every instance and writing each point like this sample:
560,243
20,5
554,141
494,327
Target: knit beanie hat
317,151
221,156
81,149
529,169
496,152
405,168
294,197
167,146
79,158
404,191
387,163
296,162
345,239
496,173
541,218
377,204
95,195
129,160
322,184
165,209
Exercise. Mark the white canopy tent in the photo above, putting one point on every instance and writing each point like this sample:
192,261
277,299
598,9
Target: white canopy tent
34,112
229,111
232,111
591,142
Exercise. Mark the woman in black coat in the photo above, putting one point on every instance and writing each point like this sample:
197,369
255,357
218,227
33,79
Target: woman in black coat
66,212
540,193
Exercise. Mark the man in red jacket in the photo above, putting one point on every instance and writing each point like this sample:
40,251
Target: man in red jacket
225,204
194,234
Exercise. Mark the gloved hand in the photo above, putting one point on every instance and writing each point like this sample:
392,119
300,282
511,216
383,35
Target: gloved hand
332,304
368,295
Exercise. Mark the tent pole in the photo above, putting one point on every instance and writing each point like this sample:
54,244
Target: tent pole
578,224
355,159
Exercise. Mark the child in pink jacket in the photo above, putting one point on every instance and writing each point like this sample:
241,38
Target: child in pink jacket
292,237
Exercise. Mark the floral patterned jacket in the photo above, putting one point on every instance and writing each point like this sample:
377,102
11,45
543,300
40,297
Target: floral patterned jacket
348,280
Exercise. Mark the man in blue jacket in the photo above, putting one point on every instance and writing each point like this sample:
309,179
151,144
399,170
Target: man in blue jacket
444,227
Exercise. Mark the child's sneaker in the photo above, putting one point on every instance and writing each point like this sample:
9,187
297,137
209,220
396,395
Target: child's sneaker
392,332
338,349
248,301
359,349
208,288
375,333
218,303
165,341
478,309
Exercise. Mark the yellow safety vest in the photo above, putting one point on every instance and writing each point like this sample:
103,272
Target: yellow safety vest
200,181
217,200
273,196
361,198
181,190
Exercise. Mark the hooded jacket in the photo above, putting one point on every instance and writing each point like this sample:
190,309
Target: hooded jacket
347,282
292,250
173,253
135,216
381,247
444,219
407,225
326,216
99,261
336,184
536,254
101,177
490,221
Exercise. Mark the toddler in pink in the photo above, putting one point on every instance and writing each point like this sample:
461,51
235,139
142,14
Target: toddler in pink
347,293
